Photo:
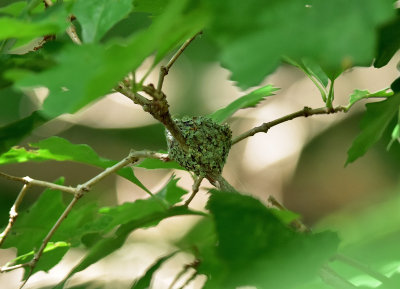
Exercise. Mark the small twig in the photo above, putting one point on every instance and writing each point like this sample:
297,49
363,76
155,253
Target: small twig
33,182
165,69
14,213
223,185
362,267
195,189
305,112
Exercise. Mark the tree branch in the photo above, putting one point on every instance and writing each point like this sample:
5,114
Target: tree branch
14,213
79,191
195,189
27,180
305,112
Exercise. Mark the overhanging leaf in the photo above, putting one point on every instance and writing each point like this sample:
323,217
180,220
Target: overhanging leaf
373,124
110,244
59,149
14,132
253,246
254,35
246,101
97,17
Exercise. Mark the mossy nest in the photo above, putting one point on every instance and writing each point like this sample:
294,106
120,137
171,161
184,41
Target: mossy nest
209,144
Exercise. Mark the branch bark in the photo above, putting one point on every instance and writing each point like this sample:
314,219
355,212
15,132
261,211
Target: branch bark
305,112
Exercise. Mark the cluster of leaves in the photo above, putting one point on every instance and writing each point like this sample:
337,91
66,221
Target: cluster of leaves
239,241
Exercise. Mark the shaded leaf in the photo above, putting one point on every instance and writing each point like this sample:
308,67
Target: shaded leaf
145,281
97,17
49,22
107,245
13,9
373,124
33,225
254,248
388,42
357,95
335,34
89,71
14,132
154,7
171,193
59,149
246,101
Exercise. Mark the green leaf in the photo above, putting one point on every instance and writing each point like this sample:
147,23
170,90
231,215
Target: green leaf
373,124
52,255
254,35
171,193
145,281
112,243
59,149
154,7
33,225
255,248
13,9
86,72
97,17
152,164
358,95
388,42
49,22
246,101
14,132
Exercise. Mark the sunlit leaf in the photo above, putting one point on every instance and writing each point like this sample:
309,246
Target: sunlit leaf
59,149
246,101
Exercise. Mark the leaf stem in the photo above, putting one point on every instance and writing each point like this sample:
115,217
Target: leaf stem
305,112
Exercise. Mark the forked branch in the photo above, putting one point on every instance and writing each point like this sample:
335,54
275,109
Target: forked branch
78,192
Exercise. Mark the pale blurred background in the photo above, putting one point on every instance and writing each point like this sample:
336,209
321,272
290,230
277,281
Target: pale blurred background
300,162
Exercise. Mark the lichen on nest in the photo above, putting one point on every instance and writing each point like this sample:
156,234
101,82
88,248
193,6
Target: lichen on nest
208,142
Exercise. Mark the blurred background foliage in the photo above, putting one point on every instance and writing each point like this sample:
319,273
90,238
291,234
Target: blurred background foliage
300,162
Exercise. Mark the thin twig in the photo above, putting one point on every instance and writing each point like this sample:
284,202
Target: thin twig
195,189
33,182
165,69
14,213
11,268
305,112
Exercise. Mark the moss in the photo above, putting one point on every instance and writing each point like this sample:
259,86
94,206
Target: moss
209,144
